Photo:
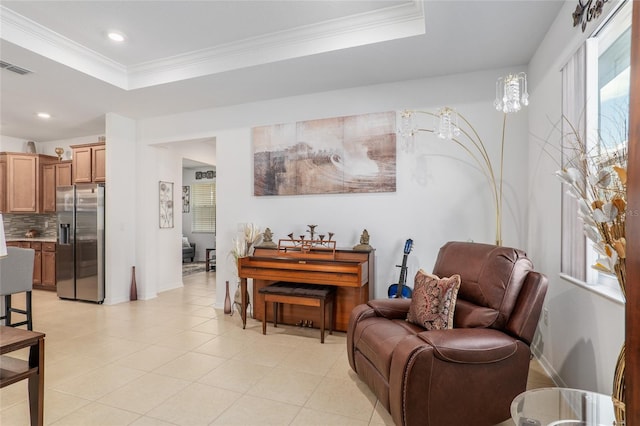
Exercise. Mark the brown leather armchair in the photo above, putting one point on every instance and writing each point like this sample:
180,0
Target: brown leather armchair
467,375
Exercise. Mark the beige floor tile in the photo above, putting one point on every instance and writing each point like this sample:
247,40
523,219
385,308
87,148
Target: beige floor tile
264,352
13,394
381,416
313,360
195,366
223,346
341,367
190,366
58,404
308,417
251,410
197,404
147,334
238,376
109,348
144,393
150,421
150,358
16,414
349,398
95,414
185,340
67,367
285,385
98,382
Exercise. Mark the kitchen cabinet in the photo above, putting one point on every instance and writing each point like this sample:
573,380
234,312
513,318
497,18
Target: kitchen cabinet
48,265
20,181
54,175
89,163
44,263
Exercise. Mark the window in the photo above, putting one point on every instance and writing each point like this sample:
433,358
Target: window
606,117
203,198
613,82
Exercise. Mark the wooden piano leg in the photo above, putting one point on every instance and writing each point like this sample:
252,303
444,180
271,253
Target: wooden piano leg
243,308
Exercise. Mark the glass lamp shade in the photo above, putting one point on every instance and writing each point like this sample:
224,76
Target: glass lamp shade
3,240
407,130
447,124
511,93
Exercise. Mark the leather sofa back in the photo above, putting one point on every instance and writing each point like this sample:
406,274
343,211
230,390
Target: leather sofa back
491,280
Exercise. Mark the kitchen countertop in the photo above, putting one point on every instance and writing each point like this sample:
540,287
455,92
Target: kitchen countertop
35,239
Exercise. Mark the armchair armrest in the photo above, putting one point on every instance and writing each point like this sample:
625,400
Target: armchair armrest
390,308
470,345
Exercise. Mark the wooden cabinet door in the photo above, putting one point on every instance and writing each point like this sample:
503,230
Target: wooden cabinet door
3,187
82,160
49,188
49,268
63,174
98,163
37,267
22,184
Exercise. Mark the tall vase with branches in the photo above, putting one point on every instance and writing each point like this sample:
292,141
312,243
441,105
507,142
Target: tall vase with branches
242,246
598,182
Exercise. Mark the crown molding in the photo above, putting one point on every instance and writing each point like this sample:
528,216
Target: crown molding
32,36
404,20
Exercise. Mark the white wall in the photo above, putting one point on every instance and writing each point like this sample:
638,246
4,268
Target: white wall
120,198
440,196
11,144
585,331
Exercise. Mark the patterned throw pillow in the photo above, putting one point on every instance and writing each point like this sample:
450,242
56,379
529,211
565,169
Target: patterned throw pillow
433,301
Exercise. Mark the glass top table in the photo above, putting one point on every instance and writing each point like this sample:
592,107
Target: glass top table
562,406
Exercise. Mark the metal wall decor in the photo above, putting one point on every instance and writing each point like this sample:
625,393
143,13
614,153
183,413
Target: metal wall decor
209,174
586,11
165,194
186,192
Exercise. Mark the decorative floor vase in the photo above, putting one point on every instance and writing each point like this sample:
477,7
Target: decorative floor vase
618,396
227,300
133,291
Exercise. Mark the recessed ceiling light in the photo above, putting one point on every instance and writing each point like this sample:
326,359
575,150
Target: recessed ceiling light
116,36
44,115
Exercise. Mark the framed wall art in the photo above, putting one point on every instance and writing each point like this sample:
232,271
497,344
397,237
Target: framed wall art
165,193
186,191
351,154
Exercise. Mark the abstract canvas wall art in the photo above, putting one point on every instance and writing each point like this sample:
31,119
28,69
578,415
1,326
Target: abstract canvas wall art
351,154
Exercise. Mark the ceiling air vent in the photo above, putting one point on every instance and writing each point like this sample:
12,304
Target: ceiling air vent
10,67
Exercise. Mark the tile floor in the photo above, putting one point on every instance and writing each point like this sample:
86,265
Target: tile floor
175,360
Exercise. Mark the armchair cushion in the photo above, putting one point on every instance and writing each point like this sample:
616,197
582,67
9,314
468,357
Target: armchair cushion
434,300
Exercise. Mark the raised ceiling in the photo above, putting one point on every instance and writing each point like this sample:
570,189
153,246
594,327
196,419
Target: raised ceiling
187,55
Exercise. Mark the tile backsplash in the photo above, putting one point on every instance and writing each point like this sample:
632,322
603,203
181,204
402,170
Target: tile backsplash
16,225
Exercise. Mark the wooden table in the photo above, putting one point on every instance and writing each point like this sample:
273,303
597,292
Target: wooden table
13,370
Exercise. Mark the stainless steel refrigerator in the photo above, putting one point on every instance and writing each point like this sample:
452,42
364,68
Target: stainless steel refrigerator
80,251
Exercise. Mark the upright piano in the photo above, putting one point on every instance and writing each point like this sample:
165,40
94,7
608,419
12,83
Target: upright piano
351,272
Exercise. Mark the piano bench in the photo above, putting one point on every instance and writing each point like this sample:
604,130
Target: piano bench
299,294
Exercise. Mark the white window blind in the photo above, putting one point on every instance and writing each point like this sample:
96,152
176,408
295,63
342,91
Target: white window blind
203,199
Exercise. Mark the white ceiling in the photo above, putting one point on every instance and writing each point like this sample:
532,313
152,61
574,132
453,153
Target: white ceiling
187,55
